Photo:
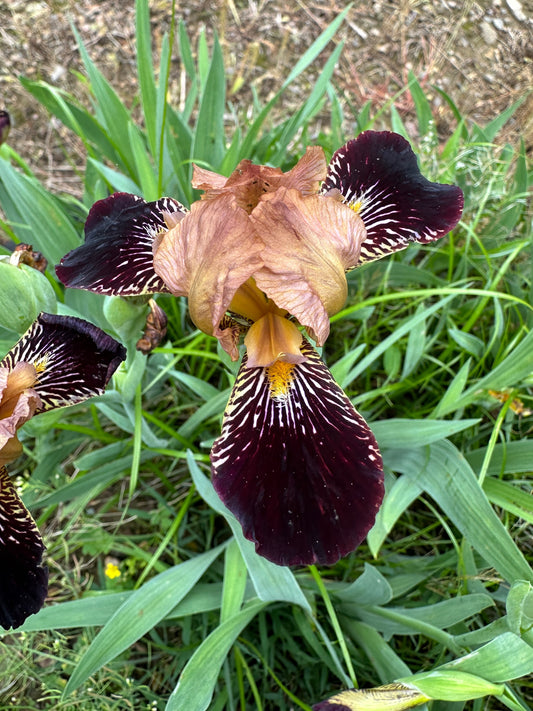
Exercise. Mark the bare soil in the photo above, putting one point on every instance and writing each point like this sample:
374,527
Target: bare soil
480,53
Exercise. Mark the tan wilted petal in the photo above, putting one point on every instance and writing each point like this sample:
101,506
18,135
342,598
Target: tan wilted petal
309,244
207,257
391,697
249,182
308,173
203,179
12,383
18,403
228,333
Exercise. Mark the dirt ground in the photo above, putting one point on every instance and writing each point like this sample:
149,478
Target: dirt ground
480,53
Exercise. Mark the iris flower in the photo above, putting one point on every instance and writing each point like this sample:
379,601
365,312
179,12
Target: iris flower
59,361
264,255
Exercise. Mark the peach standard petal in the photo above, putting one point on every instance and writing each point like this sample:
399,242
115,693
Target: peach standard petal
18,403
308,173
207,257
310,242
249,182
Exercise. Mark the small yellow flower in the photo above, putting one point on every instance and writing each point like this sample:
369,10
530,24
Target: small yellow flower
517,406
112,571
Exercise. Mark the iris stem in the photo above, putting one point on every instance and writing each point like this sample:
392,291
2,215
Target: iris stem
137,440
335,623
494,437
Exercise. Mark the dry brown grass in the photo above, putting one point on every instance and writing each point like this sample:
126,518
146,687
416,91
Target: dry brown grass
481,54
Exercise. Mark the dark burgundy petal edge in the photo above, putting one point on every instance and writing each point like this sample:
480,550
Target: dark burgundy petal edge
74,359
116,257
302,473
24,579
331,705
5,125
377,174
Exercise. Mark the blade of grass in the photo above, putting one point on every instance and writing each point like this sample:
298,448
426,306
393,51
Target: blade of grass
45,225
206,662
452,484
234,582
145,70
307,58
386,662
208,144
401,331
334,623
110,110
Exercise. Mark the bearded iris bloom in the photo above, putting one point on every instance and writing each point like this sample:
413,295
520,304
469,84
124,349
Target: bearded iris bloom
59,361
263,255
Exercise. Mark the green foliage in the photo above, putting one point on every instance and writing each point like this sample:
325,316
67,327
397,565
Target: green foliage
434,347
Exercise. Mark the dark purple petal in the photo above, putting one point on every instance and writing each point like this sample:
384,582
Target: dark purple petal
331,705
5,125
74,359
116,257
377,175
24,579
296,464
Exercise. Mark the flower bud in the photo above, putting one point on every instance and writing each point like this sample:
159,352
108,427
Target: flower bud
24,293
126,316
452,685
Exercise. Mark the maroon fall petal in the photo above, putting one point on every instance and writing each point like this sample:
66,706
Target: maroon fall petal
74,359
296,464
116,257
24,579
330,706
5,125
378,176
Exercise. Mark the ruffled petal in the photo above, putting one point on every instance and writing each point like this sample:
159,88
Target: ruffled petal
308,173
74,360
309,244
18,403
296,464
116,257
249,182
207,257
207,180
24,579
377,175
